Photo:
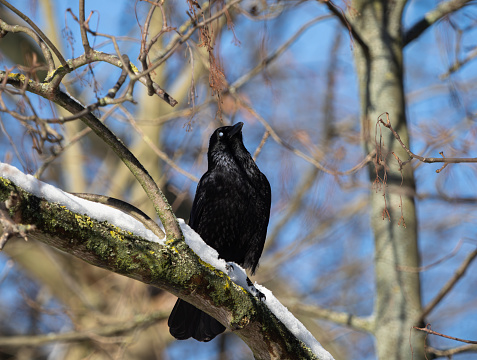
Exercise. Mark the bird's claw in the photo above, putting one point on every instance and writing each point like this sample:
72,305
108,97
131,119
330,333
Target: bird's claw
261,296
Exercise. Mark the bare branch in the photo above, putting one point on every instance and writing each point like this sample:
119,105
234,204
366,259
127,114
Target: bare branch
179,39
449,285
146,47
442,9
428,330
56,76
143,53
72,141
435,263
421,158
297,152
162,155
124,207
122,328
342,318
156,196
459,64
450,352
265,136
341,15
8,226
83,29
270,58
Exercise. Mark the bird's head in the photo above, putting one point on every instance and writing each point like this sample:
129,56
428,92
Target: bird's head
225,144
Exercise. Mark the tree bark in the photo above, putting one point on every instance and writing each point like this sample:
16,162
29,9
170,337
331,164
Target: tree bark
379,62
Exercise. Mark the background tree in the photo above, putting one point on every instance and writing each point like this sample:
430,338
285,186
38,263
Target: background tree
311,81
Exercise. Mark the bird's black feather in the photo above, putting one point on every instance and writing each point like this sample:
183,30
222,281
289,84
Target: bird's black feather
230,212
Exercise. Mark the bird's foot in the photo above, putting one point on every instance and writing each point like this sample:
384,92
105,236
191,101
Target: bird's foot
239,276
255,292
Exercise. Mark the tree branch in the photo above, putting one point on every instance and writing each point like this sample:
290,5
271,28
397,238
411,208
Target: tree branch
121,328
55,76
156,196
449,285
340,14
448,353
442,9
271,57
432,332
341,318
412,156
459,64
170,265
83,29
297,152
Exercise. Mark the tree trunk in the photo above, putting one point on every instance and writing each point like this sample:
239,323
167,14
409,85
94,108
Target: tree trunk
379,62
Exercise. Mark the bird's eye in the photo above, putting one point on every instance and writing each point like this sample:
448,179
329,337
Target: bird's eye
221,134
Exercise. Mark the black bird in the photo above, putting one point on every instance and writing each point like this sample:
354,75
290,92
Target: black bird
230,212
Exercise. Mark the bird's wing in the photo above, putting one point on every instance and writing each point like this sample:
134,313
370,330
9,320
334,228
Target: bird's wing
197,205
261,210
199,201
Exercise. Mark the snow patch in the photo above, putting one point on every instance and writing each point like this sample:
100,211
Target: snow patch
204,251
94,210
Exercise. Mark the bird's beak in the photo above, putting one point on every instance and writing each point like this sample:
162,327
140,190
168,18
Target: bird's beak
236,129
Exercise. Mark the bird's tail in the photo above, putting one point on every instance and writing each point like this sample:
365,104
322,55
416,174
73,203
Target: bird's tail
187,321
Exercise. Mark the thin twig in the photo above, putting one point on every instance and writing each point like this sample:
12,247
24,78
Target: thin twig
265,62
10,228
448,353
153,146
459,63
297,152
449,285
418,157
78,136
429,331
342,318
435,263
137,322
133,72
12,143
143,52
84,33
260,146
180,39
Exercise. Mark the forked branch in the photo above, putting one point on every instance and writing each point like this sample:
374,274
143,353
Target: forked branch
445,160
